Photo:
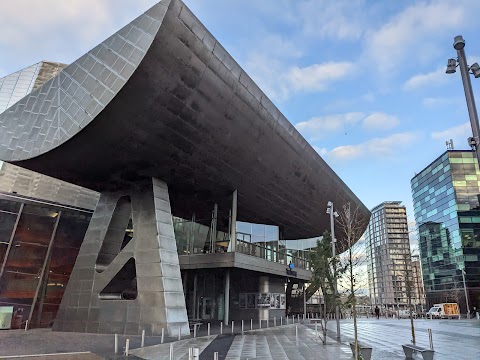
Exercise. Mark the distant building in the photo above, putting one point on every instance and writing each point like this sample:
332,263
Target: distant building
17,180
419,293
388,254
446,204
15,86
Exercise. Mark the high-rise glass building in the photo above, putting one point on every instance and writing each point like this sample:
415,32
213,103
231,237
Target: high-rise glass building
388,255
446,204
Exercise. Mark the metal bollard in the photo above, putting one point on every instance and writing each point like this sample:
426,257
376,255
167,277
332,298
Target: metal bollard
127,347
163,336
190,353
251,324
221,328
242,327
26,325
260,323
281,320
171,351
430,338
143,338
208,329
296,333
232,326
268,323
274,321
196,353
215,356
116,344
194,331
179,333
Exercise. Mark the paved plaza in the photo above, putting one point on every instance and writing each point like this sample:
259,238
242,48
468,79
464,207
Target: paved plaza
452,340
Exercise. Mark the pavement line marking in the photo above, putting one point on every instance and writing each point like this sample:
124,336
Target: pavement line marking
55,354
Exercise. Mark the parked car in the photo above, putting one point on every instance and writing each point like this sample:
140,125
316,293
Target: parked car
405,314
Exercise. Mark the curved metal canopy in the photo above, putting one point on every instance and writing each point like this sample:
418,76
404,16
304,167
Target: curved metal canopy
162,98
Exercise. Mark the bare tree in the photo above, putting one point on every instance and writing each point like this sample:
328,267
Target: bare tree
324,276
351,225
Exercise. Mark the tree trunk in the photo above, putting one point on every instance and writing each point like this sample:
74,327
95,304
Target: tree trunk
354,303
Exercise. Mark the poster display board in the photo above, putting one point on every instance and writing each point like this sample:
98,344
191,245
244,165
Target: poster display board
6,313
262,301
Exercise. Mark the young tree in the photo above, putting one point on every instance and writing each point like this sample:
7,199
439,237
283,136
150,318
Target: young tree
351,225
323,264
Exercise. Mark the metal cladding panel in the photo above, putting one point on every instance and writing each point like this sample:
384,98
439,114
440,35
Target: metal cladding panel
162,98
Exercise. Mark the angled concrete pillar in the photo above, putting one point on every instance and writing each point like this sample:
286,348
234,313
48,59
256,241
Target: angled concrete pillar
122,285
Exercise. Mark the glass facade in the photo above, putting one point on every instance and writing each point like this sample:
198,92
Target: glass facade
39,243
388,255
257,240
446,204
15,86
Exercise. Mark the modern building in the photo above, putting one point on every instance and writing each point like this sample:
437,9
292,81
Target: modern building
389,262
419,292
190,158
446,204
15,86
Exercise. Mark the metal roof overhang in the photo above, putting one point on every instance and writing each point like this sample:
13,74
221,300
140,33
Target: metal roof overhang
186,114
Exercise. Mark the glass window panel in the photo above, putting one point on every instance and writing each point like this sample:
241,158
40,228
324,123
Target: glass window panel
10,206
26,258
7,222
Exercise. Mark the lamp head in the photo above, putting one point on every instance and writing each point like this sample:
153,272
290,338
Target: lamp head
329,204
475,70
458,42
451,66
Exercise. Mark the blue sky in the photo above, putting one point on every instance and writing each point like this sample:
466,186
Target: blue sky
363,81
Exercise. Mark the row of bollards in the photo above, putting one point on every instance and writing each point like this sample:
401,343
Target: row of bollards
193,351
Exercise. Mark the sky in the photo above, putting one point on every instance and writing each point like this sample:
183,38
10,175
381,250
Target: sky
363,81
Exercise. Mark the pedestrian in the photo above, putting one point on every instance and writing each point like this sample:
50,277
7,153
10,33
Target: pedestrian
377,312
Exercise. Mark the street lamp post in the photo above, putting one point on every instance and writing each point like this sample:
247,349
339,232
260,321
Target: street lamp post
333,215
459,45
466,294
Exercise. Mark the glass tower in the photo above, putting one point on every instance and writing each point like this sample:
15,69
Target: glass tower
446,204
388,255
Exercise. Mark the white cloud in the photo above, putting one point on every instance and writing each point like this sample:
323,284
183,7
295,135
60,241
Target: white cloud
408,37
429,79
317,77
380,121
317,126
319,150
460,133
433,102
280,81
61,30
374,148
336,20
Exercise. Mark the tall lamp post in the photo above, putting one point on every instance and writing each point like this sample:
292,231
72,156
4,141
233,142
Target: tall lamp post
474,142
466,294
459,45
333,215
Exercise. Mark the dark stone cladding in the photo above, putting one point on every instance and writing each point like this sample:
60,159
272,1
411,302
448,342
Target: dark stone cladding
183,111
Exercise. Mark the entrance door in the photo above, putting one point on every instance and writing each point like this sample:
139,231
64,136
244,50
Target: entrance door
207,308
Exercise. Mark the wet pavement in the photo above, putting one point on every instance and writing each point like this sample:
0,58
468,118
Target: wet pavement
452,340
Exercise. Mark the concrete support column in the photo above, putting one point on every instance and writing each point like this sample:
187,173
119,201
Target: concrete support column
233,225
194,302
263,288
227,296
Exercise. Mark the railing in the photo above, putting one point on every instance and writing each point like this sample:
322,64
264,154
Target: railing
267,253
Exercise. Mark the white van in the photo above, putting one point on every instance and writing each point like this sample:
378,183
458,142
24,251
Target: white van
405,314
444,311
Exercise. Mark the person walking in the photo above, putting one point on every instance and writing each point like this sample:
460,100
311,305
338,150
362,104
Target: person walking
377,312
